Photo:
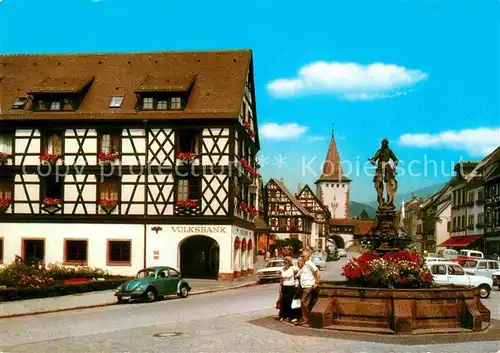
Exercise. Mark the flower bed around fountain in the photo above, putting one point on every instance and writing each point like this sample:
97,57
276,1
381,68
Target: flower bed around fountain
395,294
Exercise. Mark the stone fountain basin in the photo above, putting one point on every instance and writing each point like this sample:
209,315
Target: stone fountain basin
446,309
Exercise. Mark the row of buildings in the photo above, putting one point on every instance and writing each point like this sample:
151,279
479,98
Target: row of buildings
123,161
464,214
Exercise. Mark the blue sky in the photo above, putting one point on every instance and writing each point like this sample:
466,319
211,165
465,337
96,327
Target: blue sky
424,74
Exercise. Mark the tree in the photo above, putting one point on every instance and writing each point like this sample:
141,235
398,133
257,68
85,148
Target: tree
364,215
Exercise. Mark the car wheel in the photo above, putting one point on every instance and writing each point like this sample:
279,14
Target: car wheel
121,300
484,291
184,292
150,295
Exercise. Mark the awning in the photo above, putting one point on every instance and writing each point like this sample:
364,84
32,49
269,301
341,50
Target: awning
450,241
464,241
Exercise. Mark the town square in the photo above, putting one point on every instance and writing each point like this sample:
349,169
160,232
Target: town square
261,177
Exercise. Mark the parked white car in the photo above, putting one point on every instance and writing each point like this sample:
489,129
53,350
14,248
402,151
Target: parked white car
448,272
448,253
271,272
319,261
434,259
342,252
471,253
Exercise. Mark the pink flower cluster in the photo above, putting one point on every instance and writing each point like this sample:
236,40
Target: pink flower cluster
49,157
50,201
35,281
108,157
397,269
188,203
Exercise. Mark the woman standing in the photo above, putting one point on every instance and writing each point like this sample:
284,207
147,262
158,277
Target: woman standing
287,290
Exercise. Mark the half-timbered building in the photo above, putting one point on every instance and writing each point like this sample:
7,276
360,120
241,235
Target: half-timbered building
122,161
490,172
322,216
288,218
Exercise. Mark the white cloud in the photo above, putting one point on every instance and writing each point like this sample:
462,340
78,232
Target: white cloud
351,81
476,142
274,131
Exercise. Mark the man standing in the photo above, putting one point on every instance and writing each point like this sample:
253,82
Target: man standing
309,280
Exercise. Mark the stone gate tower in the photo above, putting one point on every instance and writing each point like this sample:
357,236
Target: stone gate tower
333,185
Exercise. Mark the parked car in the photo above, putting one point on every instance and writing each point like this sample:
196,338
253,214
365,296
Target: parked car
434,259
471,253
332,253
481,267
448,253
153,283
271,271
319,261
449,272
495,276
342,252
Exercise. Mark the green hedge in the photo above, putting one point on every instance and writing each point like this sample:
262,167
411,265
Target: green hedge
58,289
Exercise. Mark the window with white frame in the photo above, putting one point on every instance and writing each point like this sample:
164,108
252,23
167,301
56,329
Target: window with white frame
175,103
147,103
109,143
55,105
162,105
54,144
6,143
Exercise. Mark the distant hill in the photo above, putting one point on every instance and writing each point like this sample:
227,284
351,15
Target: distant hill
355,209
423,192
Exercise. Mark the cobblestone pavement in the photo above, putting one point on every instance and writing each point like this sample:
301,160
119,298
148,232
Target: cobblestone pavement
217,322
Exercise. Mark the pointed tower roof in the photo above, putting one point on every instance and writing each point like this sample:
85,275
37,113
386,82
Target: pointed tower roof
332,168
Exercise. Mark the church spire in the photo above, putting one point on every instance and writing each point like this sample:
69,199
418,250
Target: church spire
332,168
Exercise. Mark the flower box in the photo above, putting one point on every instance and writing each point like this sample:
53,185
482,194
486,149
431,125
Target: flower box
4,157
243,207
246,125
281,210
108,157
49,157
252,211
108,205
187,156
188,203
4,204
51,202
77,280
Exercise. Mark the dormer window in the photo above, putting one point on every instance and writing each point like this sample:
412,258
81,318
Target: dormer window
60,93
164,93
20,103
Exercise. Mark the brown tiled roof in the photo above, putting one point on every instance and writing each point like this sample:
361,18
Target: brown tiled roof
363,227
217,91
342,222
62,85
292,198
166,83
332,168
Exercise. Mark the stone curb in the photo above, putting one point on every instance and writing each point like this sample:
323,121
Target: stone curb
80,307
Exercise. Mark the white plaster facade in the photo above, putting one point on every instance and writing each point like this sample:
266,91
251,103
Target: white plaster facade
335,196
162,247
